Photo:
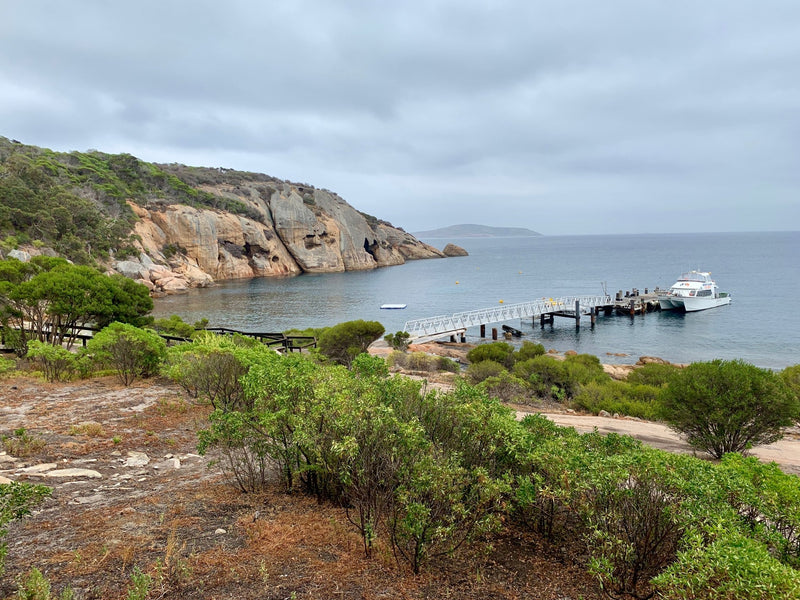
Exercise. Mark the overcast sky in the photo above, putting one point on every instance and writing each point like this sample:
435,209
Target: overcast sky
567,117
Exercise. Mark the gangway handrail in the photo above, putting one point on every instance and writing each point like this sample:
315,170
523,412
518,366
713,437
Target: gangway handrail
443,324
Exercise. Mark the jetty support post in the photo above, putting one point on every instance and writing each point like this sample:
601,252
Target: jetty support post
633,306
577,314
494,333
463,337
483,330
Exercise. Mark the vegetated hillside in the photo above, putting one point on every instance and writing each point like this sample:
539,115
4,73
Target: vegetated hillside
195,223
469,230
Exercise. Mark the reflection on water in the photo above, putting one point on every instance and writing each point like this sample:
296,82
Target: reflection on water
761,325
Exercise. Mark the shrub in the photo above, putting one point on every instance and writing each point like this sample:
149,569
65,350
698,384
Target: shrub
729,406
343,342
398,341
449,365
499,352
21,443
653,374
528,350
16,501
618,397
57,363
505,386
7,366
130,351
478,371
174,325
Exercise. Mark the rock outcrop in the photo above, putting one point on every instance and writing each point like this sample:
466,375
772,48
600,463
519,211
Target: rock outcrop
286,230
453,250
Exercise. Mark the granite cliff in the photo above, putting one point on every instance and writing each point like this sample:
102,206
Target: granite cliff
173,227
287,230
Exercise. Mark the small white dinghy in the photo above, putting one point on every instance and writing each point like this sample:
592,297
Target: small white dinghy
393,306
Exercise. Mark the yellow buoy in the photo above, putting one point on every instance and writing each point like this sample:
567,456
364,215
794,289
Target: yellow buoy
456,283
501,301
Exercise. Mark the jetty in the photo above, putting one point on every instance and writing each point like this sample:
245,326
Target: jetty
543,310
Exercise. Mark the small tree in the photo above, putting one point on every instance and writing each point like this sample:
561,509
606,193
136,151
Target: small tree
131,351
398,341
345,341
729,406
58,363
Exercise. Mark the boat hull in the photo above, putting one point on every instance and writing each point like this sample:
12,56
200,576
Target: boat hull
692,304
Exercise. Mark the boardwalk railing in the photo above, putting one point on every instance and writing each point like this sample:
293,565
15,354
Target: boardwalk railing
287,343
435,327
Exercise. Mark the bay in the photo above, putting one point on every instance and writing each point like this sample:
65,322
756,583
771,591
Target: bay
761,325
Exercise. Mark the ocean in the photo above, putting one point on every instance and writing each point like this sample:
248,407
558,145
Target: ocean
759,270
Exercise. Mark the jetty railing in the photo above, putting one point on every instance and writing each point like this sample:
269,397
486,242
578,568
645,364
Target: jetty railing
439,326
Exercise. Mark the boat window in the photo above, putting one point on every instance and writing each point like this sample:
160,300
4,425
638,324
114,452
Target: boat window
703,293
695,276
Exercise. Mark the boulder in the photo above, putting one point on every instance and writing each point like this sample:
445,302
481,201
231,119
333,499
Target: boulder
20,255
451,250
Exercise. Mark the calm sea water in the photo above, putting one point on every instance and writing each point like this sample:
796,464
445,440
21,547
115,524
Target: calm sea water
760,270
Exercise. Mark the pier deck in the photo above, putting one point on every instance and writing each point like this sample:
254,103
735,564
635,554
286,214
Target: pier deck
545,309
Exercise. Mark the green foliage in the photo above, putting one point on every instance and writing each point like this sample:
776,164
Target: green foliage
16,502
653,374
140,585
433,472
57,363
528,350
33,585
505,387
478,371
7,366
729,406
51,300
343,342
499,352
211,367
21,443
130,351
619,397
174,326
398,341
43,197
791,377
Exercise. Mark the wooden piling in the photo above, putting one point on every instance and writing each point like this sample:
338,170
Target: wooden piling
494,333
483,330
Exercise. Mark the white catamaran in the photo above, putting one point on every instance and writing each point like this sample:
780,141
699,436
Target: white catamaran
693,291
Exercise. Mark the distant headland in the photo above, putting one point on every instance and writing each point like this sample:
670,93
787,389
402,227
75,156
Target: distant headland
476,231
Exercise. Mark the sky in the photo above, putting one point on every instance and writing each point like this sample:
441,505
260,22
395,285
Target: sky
564,116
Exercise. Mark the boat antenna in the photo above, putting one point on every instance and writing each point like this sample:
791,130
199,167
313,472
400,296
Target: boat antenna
605,288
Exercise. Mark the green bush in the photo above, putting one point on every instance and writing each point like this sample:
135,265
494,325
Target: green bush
499,352
528,350
16,502
175,326
618,397
449,365
653,374
729,406
130,351
398,341
57,363
505,387
478,371
343,342
7,366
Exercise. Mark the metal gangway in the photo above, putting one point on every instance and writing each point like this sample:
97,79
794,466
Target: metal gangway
433,328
